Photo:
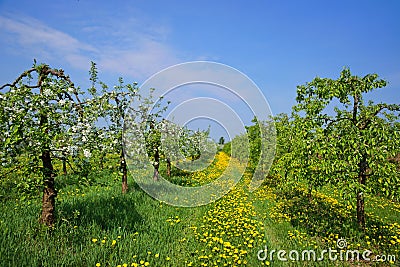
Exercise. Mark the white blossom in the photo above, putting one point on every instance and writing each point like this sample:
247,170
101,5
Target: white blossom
73,150
87,153
47,92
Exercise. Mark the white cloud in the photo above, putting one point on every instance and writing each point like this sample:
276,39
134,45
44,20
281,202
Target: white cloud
146,59
120,48
38,38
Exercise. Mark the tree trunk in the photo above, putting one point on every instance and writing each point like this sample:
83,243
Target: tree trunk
49,191
362,172
64,164
360,196
156,174
168,167
124,174
156,164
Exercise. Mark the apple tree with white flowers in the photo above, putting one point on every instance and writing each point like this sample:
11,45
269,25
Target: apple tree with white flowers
43,118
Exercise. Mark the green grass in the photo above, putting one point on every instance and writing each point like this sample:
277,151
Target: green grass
98,224
135,221
318,223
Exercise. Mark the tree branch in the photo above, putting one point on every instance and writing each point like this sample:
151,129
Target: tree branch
24,74
374,114
331,121
355,109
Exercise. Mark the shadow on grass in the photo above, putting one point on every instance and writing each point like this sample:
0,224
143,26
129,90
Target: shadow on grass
322,216
107,212
319,216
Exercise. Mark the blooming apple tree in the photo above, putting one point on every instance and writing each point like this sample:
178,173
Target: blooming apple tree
42,118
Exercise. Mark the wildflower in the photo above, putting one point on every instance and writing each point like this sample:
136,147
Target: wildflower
94,240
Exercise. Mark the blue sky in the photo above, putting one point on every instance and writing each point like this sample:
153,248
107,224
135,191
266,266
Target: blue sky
277,44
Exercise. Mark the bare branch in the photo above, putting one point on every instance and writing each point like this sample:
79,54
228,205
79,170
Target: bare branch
24,74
